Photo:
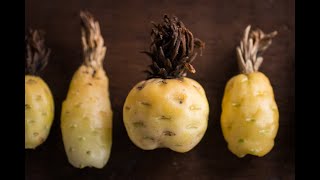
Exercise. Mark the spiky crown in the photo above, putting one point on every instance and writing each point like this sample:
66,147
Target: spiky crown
253,44
172,49
36,53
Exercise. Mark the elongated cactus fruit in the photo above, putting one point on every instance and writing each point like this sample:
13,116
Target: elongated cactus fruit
86,117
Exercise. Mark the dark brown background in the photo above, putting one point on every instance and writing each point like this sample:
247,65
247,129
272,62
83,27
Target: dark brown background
126,28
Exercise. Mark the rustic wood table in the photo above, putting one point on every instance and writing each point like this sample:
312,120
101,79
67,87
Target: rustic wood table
126,28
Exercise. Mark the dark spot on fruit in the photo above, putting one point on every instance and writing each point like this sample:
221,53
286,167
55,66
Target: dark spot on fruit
164,118
169,133
260,93
241,141
73,126
139,124
71,149
149,138
35,134
32,121
195,87
179,145
235,104
163,82
145,103
94,73
38,98
31,81
27,106
90,84
179,97
127,108
180,100
140,87
250,119
88,152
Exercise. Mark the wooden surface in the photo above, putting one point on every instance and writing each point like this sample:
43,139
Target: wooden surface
126,28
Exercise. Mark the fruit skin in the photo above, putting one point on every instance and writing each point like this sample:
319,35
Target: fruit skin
250,116
39,111
166,113
86,119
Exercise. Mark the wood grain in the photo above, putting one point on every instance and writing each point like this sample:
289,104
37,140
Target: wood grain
126,29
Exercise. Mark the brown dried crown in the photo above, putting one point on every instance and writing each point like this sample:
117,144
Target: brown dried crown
172,49
36,53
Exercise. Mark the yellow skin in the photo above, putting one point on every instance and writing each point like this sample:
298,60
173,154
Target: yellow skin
250,117
39,111
86,119
168,113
